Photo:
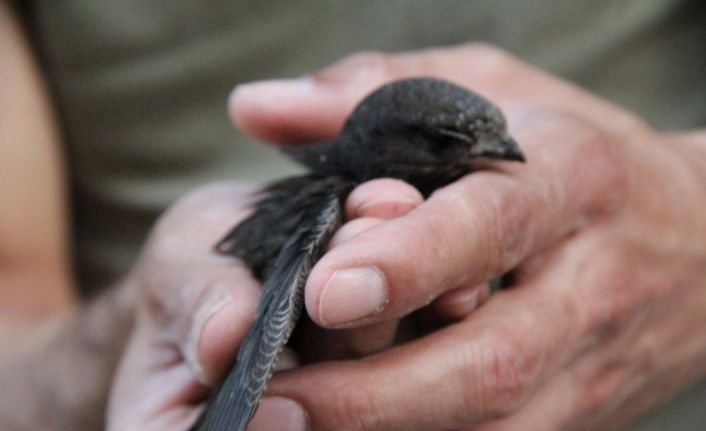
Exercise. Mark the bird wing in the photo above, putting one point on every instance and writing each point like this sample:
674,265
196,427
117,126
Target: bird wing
280,211
279,308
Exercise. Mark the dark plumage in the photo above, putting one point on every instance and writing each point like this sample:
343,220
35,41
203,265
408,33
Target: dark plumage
424,131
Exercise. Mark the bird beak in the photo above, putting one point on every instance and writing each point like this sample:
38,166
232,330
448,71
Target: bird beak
501,149
510,150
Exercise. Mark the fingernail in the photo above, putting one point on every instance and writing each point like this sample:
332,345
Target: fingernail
273,91
217,299
352,294
277,413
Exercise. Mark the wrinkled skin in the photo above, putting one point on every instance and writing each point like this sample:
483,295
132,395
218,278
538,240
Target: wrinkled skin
603,230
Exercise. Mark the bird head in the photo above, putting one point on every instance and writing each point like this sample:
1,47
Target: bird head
431,122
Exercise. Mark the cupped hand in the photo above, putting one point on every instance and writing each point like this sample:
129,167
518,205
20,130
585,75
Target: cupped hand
194,308
601,234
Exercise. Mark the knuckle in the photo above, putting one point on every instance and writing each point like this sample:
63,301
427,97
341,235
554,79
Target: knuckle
504,383
600,390
592,165
602,315
585,175
356,410
501,382
605,315
616,294
615,311
595,152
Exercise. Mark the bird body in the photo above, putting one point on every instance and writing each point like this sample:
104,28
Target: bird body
424,131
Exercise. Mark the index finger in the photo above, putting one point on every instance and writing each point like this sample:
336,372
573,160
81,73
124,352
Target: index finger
473,230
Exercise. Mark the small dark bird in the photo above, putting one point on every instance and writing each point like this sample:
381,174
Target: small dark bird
424,131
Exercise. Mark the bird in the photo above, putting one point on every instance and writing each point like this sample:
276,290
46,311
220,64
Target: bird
426,131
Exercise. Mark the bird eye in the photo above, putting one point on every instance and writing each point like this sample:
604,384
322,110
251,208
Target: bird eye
455,134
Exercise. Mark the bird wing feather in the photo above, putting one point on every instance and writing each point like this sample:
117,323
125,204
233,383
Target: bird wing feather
279,309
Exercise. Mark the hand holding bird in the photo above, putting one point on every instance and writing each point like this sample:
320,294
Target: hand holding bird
601,324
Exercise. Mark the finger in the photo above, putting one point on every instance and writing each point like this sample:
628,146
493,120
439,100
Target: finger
459,303
472,231
383,198
315,344
481,369
623,373
358,342
287,360
371,202
276,414
314,107
368,205
585,395
307,108
219,323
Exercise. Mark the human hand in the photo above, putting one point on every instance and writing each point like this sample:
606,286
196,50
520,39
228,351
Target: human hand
193,310
602,229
